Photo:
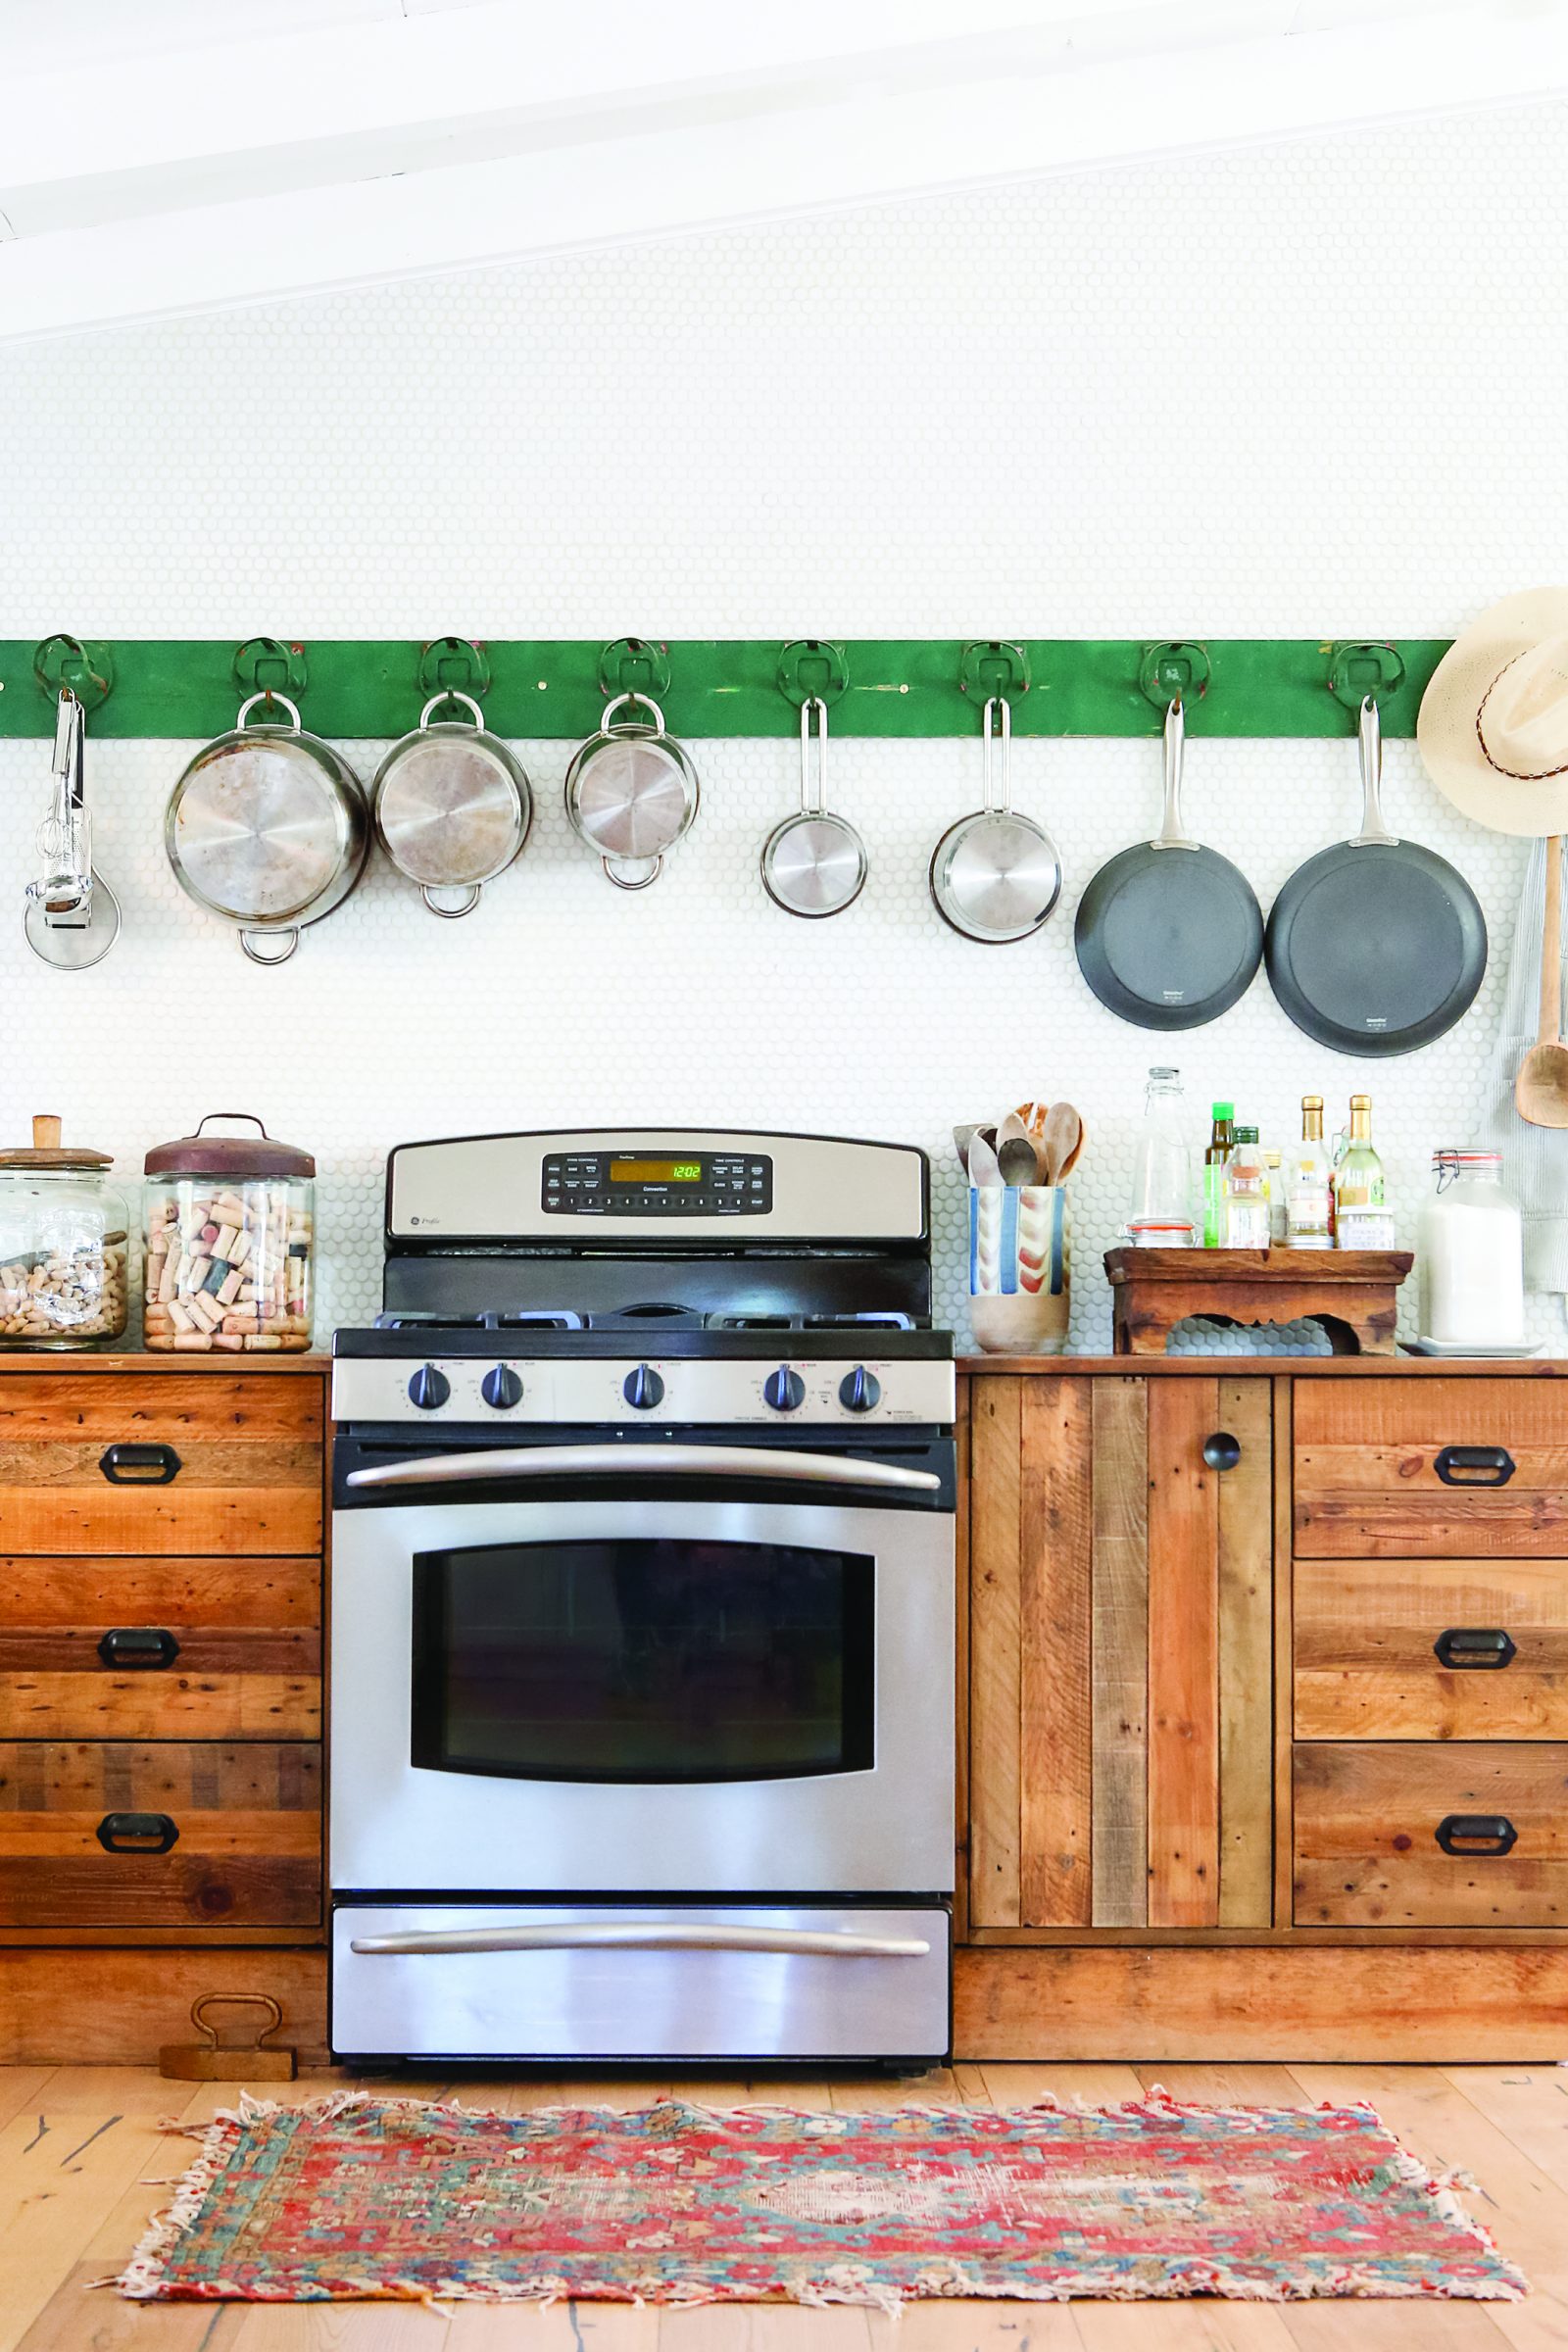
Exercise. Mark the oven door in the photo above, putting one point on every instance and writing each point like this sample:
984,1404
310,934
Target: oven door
640,1694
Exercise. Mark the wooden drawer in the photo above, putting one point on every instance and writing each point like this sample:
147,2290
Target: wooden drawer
240,1471
1431,1650
160,1650
1447,1469
241,1826
1368,1852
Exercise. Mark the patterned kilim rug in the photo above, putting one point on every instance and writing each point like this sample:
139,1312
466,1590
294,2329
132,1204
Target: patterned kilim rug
360,2196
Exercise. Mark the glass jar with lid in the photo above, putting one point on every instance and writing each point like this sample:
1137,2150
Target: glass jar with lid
230,1238
1471,1245
64,1240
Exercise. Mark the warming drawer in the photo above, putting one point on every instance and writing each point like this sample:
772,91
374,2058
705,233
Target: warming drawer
612,1981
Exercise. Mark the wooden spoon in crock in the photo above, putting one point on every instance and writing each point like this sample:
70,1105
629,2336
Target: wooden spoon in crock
1540,1089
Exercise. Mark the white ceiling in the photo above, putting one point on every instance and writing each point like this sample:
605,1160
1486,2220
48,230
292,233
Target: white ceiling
179,156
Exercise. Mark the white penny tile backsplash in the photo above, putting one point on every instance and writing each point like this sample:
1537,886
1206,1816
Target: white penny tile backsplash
1336,412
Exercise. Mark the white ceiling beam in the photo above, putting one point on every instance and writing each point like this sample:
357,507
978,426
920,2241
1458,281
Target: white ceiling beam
641,183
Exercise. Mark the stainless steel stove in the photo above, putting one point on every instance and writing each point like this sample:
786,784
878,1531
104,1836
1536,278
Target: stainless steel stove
643,1607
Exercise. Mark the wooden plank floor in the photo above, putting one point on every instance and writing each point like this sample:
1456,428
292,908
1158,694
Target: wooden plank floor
78,2144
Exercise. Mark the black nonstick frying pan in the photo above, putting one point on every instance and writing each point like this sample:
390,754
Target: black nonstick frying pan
1376,945
1169,934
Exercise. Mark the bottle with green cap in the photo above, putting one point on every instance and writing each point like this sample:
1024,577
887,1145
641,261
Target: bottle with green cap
1221,1144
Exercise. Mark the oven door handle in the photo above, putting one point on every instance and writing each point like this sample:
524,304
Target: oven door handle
673,1461
590,1936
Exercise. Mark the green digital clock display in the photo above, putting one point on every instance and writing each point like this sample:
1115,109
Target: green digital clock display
655,1171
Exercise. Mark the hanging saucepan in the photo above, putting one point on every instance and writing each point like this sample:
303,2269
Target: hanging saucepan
1376,945
452,806
631,793
996,875
269,828
813,863
1169,934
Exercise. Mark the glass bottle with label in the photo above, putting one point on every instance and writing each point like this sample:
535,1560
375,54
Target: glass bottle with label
1359,1185
1246,1193
1309,1197
1221,1144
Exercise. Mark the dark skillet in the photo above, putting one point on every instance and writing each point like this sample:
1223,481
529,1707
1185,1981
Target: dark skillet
1169,934
1376,945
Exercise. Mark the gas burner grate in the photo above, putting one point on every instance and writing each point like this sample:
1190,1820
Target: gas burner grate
871,1318
434,1319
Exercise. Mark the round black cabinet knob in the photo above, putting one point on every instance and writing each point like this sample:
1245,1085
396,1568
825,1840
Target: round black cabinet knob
502,1388
783,1390
1222,1452
429,1388
859,1391
643,1389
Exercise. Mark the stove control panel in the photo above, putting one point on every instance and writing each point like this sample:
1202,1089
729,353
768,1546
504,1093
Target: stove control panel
632,1183
628,1393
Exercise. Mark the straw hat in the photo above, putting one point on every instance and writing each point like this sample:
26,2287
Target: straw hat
1494,723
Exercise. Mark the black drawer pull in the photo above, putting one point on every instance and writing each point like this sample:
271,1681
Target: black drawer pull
1477,1649
1478,1835
1222,1452
140,1646
136,1832
1475,1465
140,1465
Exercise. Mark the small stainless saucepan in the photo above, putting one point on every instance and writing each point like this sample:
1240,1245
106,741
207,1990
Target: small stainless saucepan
814,862
631,793
268,827
996,875
453,805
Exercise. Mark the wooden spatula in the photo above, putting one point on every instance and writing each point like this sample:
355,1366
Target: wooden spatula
1540,1089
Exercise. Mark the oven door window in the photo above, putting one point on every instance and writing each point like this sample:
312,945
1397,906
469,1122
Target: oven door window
654,1660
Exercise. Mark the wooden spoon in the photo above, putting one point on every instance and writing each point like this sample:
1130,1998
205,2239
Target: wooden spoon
1016,1156
1060,1140
984,1169
1073,1158
1540,1089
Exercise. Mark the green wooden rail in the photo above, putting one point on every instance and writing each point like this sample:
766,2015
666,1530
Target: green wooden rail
1256,687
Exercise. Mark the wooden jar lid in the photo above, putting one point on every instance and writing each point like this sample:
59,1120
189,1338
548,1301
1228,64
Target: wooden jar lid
47,1150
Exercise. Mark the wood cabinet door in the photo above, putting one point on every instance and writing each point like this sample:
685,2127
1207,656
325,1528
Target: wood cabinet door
1121,1697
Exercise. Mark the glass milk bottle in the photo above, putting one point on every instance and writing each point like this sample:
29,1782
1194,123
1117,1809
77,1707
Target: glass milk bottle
1471,1255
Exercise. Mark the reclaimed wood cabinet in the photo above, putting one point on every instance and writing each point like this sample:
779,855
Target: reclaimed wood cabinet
161,1535
1121,1749
1265,1670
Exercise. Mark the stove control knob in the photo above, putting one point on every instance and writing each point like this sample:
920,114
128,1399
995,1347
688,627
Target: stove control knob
643,1389
429,1388
783,1390
502,1388
859,1391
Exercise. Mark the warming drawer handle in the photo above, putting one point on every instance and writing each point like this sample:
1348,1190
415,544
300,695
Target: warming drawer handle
128,1465
1477,1837
592,1935
1475,1465
1475,1648
143,1646
670,1461
136,1833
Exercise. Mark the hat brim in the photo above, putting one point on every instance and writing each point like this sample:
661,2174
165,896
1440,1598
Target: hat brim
1446,730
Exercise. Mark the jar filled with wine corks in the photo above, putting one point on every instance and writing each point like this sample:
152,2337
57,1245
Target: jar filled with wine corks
230,1242
64,1240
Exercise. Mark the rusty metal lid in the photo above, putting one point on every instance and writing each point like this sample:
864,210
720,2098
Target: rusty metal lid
47,1150
203,1154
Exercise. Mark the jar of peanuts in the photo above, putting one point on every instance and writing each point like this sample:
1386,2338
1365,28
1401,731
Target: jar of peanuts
230,1242
63,1245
